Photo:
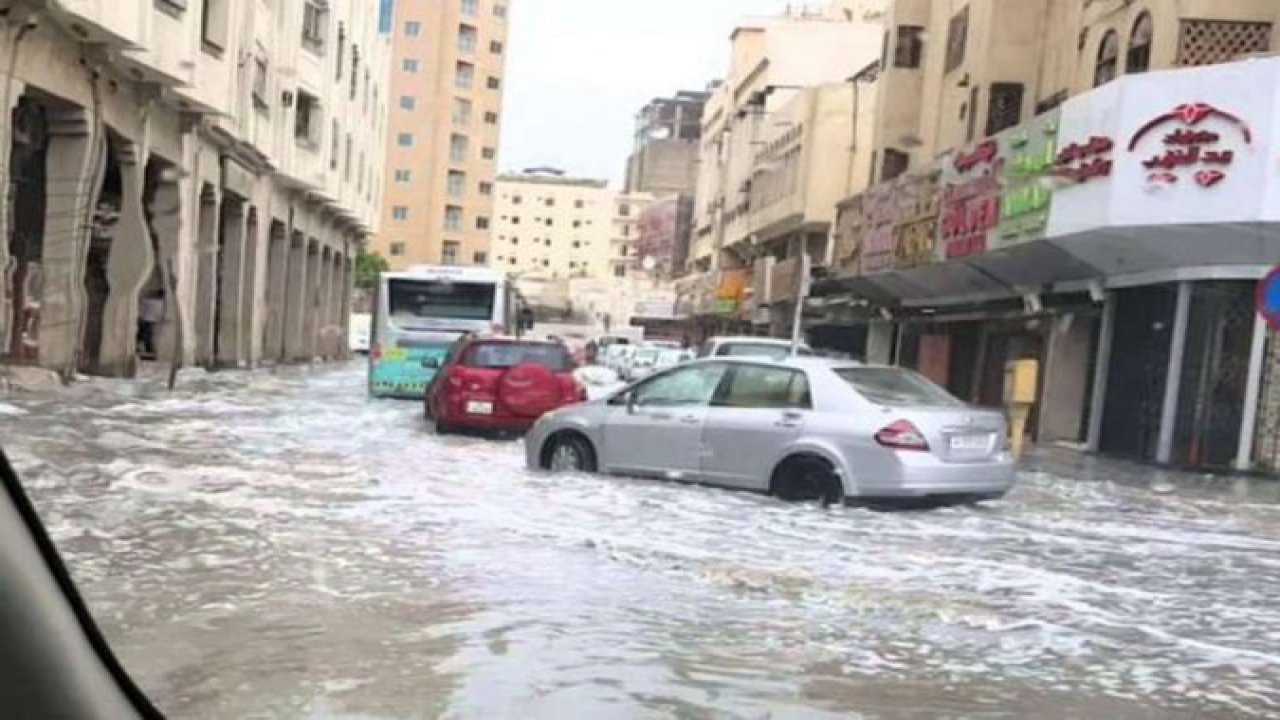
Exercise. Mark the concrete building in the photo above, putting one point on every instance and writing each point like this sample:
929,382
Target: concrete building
665,159
1086,185
218,154
779,149
628,209
447,85
551,225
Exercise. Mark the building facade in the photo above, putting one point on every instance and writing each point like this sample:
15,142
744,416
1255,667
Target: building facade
1089,188
445,105
665,159
780,146
201,153
553,226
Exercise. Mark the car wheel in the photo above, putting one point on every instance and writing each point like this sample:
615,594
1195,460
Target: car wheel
569,453
808,478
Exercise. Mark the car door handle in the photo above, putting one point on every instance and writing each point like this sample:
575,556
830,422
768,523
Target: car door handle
691,420
660,416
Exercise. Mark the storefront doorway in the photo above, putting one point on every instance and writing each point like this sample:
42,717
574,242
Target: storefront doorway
1139,364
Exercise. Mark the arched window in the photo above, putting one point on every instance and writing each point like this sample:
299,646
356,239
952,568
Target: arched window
1108,53
1138,57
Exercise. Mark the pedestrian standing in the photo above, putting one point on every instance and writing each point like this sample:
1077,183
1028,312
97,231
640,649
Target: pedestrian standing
150,313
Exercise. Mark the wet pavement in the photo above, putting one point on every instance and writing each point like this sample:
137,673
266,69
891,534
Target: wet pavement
276,545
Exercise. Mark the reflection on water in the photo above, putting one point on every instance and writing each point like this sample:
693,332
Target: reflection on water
278,546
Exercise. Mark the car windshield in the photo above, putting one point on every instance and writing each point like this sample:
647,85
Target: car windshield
500,356
896,387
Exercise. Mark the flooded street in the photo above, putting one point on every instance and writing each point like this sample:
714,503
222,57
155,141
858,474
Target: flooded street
279,546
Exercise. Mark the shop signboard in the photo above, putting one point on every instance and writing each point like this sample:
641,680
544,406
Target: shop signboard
916,223
879,213
1030,152
970,208
729,291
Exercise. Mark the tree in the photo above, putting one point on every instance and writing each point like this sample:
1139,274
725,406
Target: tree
368,266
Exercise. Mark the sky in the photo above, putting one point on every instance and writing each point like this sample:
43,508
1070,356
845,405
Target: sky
578,71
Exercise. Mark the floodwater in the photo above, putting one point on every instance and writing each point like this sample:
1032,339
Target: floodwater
278,546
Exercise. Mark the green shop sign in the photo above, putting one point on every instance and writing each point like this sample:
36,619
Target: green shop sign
1030,151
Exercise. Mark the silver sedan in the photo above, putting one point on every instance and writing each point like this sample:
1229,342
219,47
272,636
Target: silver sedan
798,428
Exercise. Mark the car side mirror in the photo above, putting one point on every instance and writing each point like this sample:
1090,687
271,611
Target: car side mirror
431,363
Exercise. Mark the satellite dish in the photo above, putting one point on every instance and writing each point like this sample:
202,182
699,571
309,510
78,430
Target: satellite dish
662,132
649,263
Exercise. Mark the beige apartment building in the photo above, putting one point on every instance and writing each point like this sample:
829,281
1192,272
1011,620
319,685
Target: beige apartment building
219,156
553,226
627,211
780,137
445,111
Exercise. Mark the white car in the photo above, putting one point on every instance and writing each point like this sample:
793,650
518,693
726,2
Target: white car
749,346
358,338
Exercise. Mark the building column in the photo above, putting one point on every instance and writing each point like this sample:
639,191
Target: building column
1066,379
879,342
231,284
251,298
12,89
1101,373
167,225
311,301
130,264
336,339
206,300
75,165
1173,375
277,292
295,298
344,308
1252,395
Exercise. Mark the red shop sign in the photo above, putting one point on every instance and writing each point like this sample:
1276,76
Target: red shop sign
1085,161
1190,146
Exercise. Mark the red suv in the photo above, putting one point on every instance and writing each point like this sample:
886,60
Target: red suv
500,384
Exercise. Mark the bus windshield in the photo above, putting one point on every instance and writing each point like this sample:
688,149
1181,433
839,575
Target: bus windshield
413,301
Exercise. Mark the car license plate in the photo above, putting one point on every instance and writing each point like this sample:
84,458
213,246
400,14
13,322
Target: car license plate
970,443
478,407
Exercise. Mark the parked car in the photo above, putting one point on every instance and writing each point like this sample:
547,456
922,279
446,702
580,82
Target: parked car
641,362
747,346
668,359
498,383
798,428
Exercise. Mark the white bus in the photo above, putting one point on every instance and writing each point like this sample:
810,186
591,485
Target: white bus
419,313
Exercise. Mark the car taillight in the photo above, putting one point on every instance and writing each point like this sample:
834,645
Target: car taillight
902,435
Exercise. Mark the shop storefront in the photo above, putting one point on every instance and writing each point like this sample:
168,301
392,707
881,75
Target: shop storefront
1117,240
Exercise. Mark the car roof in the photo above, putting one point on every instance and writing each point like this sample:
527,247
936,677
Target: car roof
508,340
793,361
753,339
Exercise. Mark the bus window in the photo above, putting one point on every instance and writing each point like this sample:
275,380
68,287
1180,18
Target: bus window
412,300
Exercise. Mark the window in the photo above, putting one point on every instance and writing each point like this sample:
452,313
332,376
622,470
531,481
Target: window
515,240
488,153
516,199
578,204
910,46
315,16
515,220
480,257
513,261
458,146
759,386
577,223
1104,70
491,118
957,37
409,65
495,47
449,254
486,188
972,118
896,387
482,223
400,213
335,136
470,7
620,271
1138,57
461,112
1004,107
1207,42
464,75
412,28
214,25
577,244
403,175
467,38
404,139
397,249
895,163
500,10
687,387
457,183
306,122
408,102
261,73
453,218
346,161
339,56
355,71
624,210
494,83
